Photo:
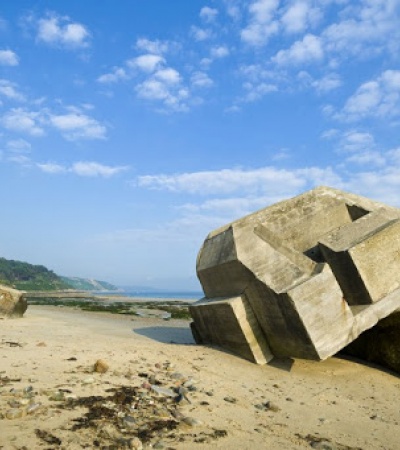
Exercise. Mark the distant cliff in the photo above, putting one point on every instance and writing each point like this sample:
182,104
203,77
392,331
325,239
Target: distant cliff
85,284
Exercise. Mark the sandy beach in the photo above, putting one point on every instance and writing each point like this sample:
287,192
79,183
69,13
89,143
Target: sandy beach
218,400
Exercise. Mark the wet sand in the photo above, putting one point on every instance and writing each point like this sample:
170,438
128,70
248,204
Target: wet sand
296,404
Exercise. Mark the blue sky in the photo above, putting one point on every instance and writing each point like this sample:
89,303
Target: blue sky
130,129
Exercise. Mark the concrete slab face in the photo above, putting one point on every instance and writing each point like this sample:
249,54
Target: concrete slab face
324,313
364,256
280,322
217,250
241,335
225,280
378,261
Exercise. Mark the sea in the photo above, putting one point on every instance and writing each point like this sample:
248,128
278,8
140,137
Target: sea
155,295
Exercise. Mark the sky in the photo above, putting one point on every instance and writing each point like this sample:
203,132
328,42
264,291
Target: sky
131,129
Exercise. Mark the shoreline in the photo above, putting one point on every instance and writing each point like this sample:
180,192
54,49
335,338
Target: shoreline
105,298
293,404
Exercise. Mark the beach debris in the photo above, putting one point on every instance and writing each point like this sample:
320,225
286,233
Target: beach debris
322,443
101,366
47,437
139,415
299,279
267,406
13,344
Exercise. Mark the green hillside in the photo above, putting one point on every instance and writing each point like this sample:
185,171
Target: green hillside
29,277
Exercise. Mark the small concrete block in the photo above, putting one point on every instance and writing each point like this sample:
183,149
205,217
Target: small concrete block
231,324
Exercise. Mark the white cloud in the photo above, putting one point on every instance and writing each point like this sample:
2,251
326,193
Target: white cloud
301,52
8,58
154,80
356,141
394,155
261,24
367,158
172,97
61,31
233,10
208,14
51,168
21,120
168,75
201,80
299,16
224,181
232,193
94,169
230,207
356,147
200,34
375,98
220,51
82,168
21,160
325,84
75,125
18,146
147,63
257,91
382,184
367,28
8,89
117,74
156,47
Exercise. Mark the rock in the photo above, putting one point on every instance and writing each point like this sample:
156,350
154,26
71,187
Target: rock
191,421
381,344
12,302
89,380
100,366
230,399
14,413
57,396
135,443
163,391
33,407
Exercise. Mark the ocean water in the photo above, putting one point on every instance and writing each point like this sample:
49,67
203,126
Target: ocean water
164,295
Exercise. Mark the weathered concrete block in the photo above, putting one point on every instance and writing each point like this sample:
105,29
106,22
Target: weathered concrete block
12,302
312,272
242,334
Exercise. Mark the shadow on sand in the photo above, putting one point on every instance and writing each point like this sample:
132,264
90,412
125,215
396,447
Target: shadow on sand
284,364
167,335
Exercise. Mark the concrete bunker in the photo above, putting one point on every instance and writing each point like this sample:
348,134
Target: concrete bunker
301,278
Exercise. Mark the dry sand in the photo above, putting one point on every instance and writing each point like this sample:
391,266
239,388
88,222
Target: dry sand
335,404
